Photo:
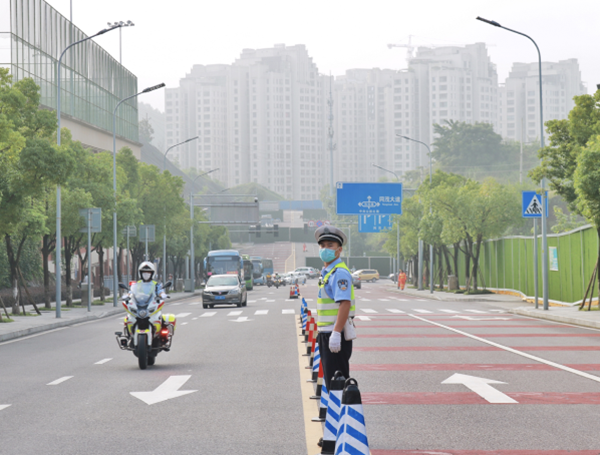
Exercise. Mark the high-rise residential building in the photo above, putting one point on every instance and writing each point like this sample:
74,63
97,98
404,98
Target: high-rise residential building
258,120
519,97
32,37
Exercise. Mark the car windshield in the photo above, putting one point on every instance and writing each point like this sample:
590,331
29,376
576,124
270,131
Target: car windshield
222,281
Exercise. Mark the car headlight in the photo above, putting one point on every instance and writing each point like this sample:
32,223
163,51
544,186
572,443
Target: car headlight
234,291
142,313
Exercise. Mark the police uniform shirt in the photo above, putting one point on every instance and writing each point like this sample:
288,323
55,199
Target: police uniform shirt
338,288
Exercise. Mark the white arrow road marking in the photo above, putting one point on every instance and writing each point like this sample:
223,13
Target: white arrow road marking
234,313
241,319
208,314
368,311
363,318
167,390
59,380
481,387
394,310
258,312
288,311
182,315
473,318
4,406
102,362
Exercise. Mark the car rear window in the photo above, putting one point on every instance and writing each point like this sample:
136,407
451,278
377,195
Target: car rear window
222,281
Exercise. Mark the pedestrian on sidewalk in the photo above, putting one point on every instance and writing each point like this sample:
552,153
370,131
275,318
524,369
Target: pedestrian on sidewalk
304,248
335,304
401,280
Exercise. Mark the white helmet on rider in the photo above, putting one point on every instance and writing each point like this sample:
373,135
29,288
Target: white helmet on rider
147,271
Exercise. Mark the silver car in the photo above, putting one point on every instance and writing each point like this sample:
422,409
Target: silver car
224,290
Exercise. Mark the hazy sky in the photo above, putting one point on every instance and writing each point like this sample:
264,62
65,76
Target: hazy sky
171,36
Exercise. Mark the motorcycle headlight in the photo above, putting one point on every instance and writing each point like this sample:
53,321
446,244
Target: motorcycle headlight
142,313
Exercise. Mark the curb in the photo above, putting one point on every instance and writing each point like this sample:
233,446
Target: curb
67,322
556,318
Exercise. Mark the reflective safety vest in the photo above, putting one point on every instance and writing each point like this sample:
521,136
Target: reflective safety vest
327,308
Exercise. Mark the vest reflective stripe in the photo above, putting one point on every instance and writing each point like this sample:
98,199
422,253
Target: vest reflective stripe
327,308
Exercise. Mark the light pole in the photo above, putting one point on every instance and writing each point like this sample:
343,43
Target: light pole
115,274
121,24
544,223
192,258
397,226
430,211
57,258
164,257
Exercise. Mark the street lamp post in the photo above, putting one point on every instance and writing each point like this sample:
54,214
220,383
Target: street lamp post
57,257
115,238
544,220
397,226
192,258
430,211
164,258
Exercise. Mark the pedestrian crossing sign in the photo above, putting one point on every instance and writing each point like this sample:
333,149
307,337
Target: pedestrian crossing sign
532,204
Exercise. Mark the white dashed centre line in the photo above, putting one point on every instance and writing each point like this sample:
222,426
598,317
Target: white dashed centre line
423,311
182,315
394,310
4,406
260,312
102,362
59,380
368,311
288,311
208,314
234,313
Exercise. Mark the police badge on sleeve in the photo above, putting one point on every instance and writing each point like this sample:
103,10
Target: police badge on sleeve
342,284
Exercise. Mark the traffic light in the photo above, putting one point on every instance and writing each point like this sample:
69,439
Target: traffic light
305,228
275,230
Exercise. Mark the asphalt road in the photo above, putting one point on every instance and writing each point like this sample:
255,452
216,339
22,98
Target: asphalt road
542,397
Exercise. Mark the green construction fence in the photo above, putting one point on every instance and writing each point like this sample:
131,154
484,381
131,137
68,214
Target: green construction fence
506,265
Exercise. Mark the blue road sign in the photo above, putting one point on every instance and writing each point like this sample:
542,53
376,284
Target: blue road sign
369,198
374,223
532,204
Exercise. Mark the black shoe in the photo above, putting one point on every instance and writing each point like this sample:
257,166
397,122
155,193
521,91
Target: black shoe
320,443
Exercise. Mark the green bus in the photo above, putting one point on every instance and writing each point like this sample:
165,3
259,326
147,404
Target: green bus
248,272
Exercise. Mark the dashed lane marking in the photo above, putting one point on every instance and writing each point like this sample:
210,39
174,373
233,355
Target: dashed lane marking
450,311
288,311
368,311
251,301
270,301
394,310
59,380
423,300
363,318
4,406
176,304
384,300
193,319
234,313
184,323
102,362
208,314
365,300
195,303
423,311
477,311
182,315
259,312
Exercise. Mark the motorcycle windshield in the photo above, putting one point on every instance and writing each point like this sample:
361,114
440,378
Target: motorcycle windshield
143,293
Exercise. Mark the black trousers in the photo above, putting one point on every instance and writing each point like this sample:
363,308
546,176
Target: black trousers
333,362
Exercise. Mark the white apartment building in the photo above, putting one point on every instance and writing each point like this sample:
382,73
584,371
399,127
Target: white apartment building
519,97
258,120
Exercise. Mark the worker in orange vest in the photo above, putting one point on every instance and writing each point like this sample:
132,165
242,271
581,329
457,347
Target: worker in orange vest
401,280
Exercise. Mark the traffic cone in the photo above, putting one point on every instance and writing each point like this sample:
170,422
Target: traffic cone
322,405
316,363
351,437
334,404
320,384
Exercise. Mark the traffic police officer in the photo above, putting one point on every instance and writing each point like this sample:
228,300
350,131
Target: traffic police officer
335,304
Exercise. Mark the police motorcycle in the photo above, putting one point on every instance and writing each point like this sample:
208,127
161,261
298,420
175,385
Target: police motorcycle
269,280
146,330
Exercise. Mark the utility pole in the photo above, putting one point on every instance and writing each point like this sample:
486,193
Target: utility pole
521,160
331,145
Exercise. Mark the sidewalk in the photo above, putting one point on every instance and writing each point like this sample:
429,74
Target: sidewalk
513,304
29,325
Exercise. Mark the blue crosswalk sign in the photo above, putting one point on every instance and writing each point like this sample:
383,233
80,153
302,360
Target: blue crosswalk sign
532,204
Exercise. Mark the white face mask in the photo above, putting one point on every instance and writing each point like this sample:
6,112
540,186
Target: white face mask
146,276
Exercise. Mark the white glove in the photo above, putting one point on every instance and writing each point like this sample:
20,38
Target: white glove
335,342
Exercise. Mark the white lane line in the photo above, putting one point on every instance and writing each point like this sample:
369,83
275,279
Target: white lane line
176,304
208,314
363,318
269,301
309,300
195,303
182,315
193,319
102,362
423,300
184,323
384,300
288,311
234,313
368,311
39,334
364,300
251,301
259,312
4,406
477,311
59,380
394,310
498,311
450,311
403,300
514,351
289,300
271,293
423,311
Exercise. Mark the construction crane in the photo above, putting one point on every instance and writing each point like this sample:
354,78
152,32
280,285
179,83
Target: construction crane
410,47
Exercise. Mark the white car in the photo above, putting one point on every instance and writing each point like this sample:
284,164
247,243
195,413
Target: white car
310,272
297,277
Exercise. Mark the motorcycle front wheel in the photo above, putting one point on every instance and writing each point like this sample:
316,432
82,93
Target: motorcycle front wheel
142,351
